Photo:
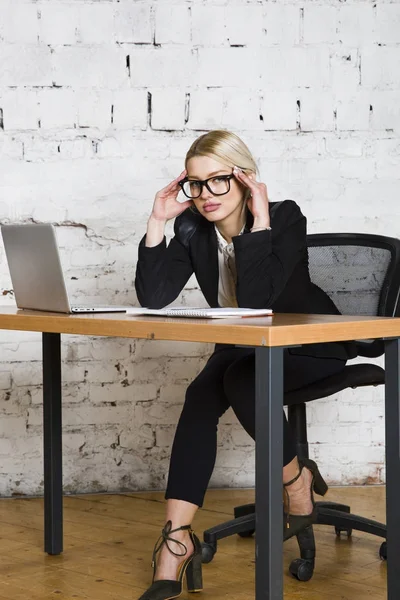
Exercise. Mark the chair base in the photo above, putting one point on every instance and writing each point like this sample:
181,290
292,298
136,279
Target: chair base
329,513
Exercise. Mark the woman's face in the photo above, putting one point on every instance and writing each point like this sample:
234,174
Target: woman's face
215,208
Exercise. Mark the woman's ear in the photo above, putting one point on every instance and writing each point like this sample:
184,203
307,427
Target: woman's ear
247,195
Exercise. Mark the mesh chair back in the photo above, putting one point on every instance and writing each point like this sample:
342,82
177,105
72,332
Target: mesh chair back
360,272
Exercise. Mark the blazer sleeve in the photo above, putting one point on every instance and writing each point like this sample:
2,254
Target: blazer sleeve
161,272
265,260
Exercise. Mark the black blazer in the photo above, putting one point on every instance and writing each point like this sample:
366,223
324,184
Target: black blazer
272,269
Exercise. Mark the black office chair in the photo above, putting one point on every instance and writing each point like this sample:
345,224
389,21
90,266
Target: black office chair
361,273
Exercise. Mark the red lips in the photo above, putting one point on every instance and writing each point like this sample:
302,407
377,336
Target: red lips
211,207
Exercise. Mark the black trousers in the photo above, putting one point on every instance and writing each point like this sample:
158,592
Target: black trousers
228,379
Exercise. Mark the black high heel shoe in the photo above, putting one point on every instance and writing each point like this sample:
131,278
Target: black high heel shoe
166,589
294,524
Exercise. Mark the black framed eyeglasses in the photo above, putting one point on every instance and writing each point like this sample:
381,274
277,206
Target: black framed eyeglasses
217,185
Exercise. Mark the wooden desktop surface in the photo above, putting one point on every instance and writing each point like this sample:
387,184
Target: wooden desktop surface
277,330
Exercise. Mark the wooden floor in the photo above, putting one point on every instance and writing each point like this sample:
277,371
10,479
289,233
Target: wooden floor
109,538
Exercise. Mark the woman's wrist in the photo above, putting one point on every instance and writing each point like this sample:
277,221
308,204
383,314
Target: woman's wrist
155,232
261,223
153,219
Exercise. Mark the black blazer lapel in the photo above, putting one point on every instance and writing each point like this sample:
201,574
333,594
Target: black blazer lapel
205,259
204,247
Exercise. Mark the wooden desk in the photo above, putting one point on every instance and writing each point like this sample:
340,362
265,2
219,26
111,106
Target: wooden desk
269,336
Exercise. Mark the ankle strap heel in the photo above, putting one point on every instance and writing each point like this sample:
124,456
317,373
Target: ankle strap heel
294,524
319,484
194,576
165,539
168,589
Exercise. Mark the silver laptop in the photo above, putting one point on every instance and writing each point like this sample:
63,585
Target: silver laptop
36,272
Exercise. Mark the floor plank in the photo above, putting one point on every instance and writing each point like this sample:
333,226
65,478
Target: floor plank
109,539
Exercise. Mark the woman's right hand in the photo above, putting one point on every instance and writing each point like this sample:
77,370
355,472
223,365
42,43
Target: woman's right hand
165,205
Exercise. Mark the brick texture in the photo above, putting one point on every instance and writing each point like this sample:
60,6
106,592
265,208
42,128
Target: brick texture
99,101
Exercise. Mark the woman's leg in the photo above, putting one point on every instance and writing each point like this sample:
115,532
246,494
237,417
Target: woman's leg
195,443
194,451
299,371
179,513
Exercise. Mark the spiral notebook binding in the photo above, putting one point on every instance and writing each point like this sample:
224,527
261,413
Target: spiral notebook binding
183,313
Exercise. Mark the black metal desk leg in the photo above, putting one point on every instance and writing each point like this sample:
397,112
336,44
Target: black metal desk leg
392,420
53,523
269,464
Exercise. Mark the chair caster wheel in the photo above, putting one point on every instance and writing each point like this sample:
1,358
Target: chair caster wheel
207,552
302,569
246,534
383,551
340,530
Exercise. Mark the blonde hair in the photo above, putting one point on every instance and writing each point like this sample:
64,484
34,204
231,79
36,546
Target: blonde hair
225,147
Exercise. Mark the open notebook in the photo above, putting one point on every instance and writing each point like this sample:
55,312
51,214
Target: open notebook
205,313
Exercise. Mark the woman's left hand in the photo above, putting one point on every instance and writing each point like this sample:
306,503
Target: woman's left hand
258,202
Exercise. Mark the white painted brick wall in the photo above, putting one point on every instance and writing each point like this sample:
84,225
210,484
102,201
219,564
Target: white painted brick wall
179,15
320,24
168,109
99,101
244,24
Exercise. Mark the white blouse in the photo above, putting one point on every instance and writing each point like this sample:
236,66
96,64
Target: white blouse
227,271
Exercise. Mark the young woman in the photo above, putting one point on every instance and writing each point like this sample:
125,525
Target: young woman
249,252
